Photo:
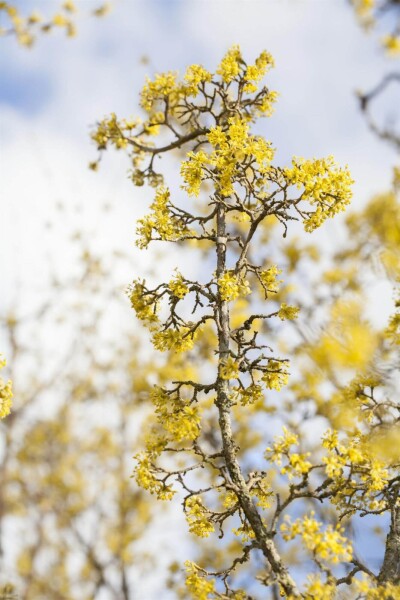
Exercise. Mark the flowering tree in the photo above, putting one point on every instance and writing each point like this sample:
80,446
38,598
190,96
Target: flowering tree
72,522
260,500
25,28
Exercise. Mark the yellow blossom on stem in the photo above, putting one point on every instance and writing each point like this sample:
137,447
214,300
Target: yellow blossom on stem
298,465
6,394
198,586
148,481
229,67
268,278
160,221
250,395
143,304
192,171
194,76
162,87
229,369
281,446
177,416
254,73
178,287
231,286
288,312
324,185
179,340
198,518
329,545
276,376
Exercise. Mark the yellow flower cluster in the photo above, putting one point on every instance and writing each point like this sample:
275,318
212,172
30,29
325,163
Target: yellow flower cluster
26,28
159,221
178,287
192,171
177,417
265,107
197,517
254,73
232,147
231,286
268,278
245,532
297,464
369,475
229,67
229,369
282,446
164,86
196,75
324,184
147,480
316,589
5,393
263,494
391,43
179,340
250,395
329,545
199,588
277,375
143,304
369,590
288,312
229,500
108,129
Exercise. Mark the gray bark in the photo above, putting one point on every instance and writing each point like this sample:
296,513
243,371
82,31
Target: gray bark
390,571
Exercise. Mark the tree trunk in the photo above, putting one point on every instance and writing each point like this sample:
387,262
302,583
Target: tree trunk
223,404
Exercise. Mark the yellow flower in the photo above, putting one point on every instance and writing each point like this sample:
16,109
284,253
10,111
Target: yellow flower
178,417
146,479
160,221
179,340
192,171
231,286
329,546
392,44
268,278
288,312
6,394
198,587
198,518
229,67
324,184
229,369
277,375
163,86
178,287
196,75
254,73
